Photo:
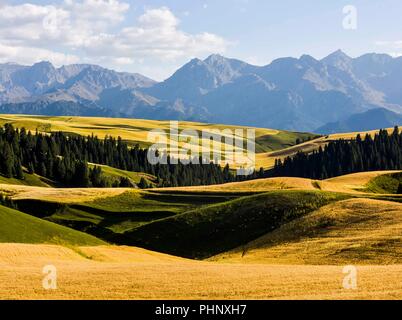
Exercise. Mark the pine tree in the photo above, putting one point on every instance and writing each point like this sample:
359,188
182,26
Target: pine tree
81,177
19,174
143,183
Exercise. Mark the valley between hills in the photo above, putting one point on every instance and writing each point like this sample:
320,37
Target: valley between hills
266,238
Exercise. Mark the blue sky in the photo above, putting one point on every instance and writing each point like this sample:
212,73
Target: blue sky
155,37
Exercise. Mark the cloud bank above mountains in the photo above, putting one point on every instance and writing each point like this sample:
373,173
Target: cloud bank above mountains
156,37
98,31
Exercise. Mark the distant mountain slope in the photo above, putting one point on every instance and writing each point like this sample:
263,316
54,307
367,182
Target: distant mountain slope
289,93
292,94
198,78
49,108
366,121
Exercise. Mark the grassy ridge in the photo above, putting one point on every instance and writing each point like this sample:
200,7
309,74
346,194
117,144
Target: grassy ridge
194,222
388,183
358,231
17,227
136,130
29,180
195,225
203,232
281,140
115,174
108,218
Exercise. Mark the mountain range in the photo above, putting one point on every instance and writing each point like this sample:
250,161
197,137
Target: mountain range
335,93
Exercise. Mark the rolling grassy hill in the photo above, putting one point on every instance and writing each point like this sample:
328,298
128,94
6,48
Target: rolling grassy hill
17,227
194,222
357,231
136,130
202,232
29,180
107,215
352,183
114,174
387,183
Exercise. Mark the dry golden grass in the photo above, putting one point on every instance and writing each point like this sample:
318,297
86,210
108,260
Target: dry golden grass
352,183
267,160
302,260
127,129
355,182
146,275
61,195
354,231
260,185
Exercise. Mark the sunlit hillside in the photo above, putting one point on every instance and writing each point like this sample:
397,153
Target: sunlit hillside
351,183
137,130
354,231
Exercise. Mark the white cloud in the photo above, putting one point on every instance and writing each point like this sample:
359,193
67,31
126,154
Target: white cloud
155,36
98,10
392,47
395,54
394,44
29,55
161,18
94,31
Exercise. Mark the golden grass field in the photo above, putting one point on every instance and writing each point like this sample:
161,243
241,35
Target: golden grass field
128,129
130,273
353,183
303,259
61,195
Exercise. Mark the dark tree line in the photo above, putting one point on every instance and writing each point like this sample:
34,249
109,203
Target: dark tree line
383,152
64,158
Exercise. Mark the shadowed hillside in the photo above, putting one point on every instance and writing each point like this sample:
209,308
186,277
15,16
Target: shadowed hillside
358,231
